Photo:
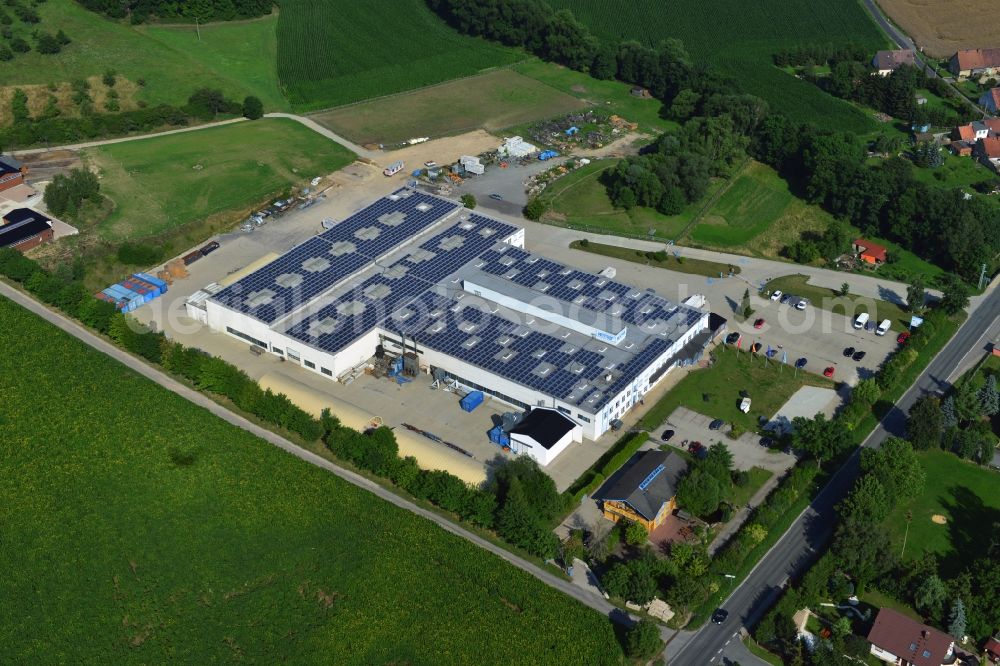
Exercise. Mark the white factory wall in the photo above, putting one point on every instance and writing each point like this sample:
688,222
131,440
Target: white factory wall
220,318
528,446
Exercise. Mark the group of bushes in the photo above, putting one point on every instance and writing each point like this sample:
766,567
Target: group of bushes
45,42
140,11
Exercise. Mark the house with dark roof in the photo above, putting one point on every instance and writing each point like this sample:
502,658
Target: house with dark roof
644,489
11,172
897,639
975,62
869,252
543,434
886,62
23,229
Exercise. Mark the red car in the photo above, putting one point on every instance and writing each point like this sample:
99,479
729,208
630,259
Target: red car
759,323
828,372
903,337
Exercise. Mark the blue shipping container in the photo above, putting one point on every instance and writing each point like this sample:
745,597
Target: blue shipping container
153,280
472,400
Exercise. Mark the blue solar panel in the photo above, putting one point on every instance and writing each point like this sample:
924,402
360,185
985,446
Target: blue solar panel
321,262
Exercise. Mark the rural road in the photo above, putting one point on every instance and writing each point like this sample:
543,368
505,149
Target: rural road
62,322
308,122
904,42
810,531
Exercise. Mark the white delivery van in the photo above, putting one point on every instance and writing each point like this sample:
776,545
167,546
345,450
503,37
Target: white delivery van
861,320
883,328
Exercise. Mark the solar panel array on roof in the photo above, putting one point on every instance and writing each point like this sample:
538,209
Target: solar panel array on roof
650,312
374,298
319,263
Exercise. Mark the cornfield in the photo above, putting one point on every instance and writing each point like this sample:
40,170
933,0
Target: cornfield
336,52
141,528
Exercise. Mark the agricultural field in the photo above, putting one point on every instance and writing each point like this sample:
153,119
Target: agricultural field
164,182
579,201
770,386
338,52
490,101
941,28
742,40
238,58
961,493
159,532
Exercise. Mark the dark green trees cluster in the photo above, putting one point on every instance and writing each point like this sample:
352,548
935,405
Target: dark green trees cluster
139,11
67,192
960,422
708,482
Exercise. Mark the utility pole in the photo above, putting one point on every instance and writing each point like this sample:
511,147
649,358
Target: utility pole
197,27
909,517
982,276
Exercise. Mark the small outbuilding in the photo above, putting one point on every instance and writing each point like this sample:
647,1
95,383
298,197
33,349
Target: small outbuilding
543,434
869,252
644,489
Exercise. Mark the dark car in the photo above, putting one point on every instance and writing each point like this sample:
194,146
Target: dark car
858,355
667,434
801,363
785,298
732,338
716,424
848,351
766,441
720,615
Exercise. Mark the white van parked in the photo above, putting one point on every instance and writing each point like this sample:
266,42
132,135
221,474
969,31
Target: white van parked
883,328
861,320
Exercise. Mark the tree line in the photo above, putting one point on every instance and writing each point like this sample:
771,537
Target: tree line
140,11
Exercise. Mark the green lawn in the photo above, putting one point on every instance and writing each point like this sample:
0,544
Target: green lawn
679,265
966,495
758,477
715,391
164,182
491,101
905,265
613,96
238,58
139,528
756,199
850,305
961,172
578,200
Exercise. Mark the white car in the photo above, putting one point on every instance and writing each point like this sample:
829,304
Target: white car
801,305
776,295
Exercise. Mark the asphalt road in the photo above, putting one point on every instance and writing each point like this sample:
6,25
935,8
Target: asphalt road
810,532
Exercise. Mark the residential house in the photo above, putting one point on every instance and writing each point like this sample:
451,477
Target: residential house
987,151
897,639
992,647
869,252
543,434
961,148
886,62
975,62
643,490
990,100
11,172
24,229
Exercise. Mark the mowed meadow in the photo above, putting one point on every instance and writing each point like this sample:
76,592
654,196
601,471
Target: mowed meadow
167,181
337,52
140,528
739,38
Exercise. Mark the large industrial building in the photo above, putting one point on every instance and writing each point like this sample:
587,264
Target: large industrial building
417,273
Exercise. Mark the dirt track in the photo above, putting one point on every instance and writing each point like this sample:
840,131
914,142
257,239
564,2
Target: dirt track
941,27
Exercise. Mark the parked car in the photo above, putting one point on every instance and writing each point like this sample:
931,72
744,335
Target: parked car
903,337
732,338
848,351
870,325
694,447
828,372
786,298
716,424
801,304
858,355
496,196
720,615
766,441
667,435
759,323
801,363
776,295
